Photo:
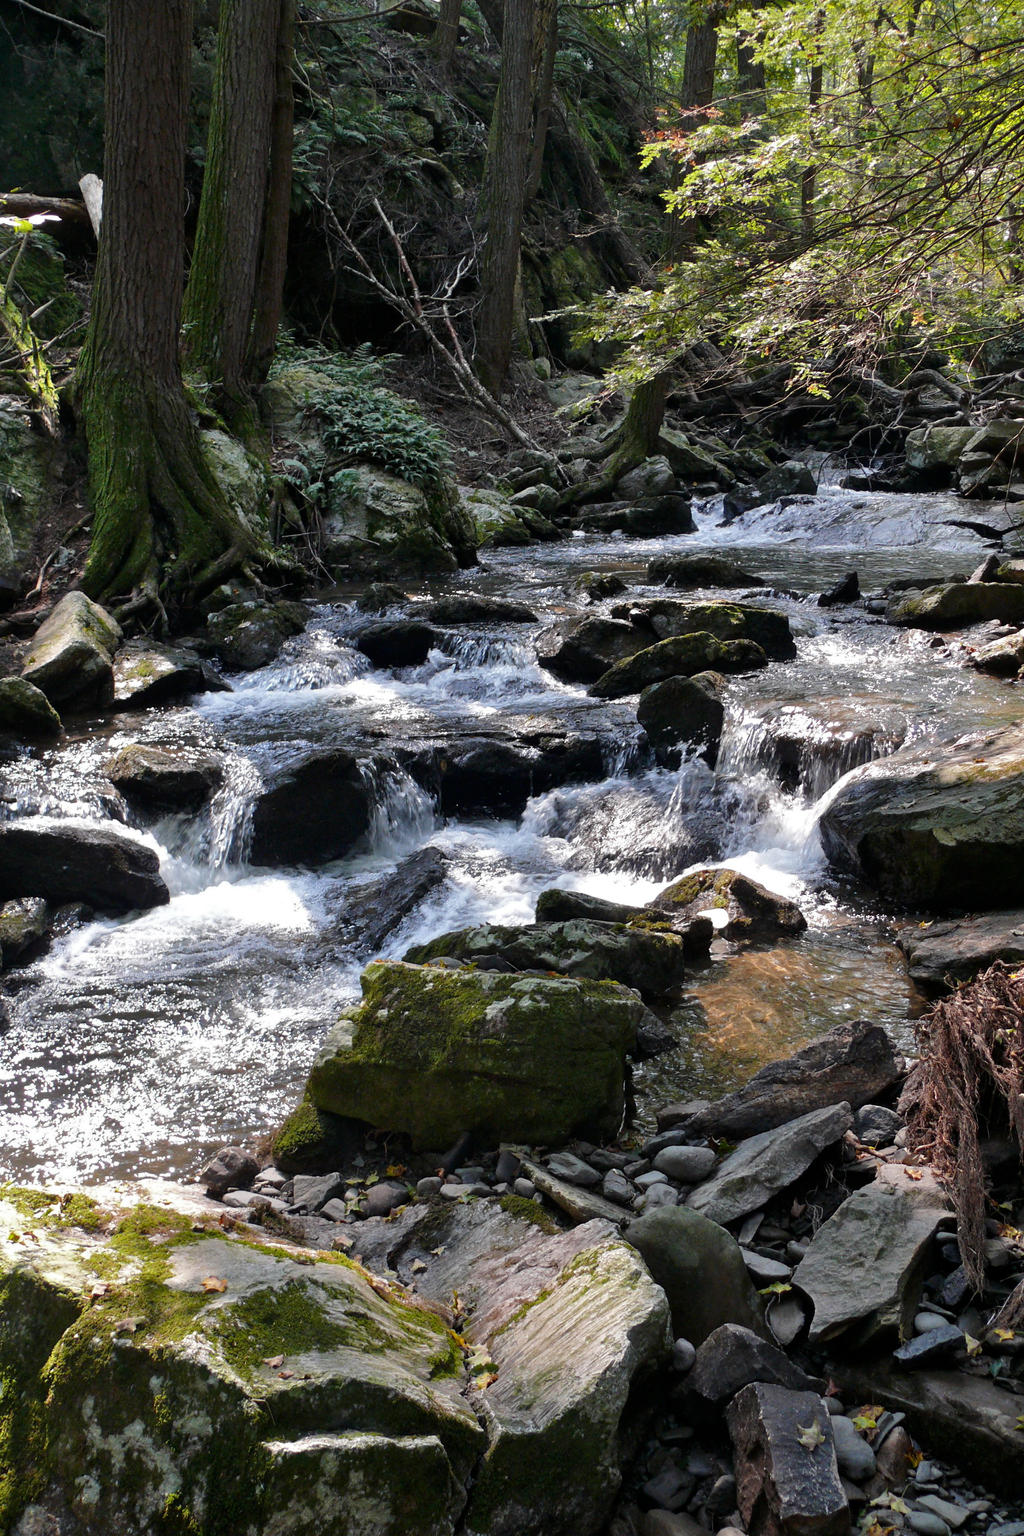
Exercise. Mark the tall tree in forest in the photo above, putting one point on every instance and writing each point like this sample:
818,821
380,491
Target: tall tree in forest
504,193
220,302
160,519
446,35
274,256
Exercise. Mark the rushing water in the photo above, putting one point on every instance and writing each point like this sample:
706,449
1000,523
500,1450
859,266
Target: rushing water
139,1044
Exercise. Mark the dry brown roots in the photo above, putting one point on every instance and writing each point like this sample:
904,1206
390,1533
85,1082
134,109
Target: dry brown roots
968,1088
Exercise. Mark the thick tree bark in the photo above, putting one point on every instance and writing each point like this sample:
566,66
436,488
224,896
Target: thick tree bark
635,440
809,178
274,259
159,515
545,52
446,37
221,297
504,192
698,89
753,92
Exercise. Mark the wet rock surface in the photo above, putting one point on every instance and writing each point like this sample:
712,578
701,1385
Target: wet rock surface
64,862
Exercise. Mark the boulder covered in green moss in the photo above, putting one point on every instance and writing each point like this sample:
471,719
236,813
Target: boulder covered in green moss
668,616
681,656
434,1052
651,962
501,525
938,827
379,525
163,1374
71,655
959,604
25,712
739,907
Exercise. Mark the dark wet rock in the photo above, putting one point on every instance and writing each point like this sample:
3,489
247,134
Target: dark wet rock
230,1168
864,1268
700,571
146,674
876,1125
683,1249
959,605
580,650
652,962
853,1063
478,610
787,1479
936,827
659,517
71,655
558,906
397,642
685,711
436,1052
681,656
763,1165
845,590
1001,658
496,777
792,478
685,1165
855,1458
750,911
373,911
159,778
942,955
248,635
379,596
931,1348
991,459
65,861
733,1356
595,586
312,812
25,712
24,928
967,1420
667,617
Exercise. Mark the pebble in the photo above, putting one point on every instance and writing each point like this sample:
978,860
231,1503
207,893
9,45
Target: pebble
381,1199
525,1189
687,1165
669,1490
565,1165
648,1180
955,1515
855,1457
453,1191
1014,1528
924,1472
334,1210
764,1271
472,1175
617,1187
270,1178
925,1321
310,1192
657,1195
683,1355
507,1167
638,1166
429,1186
926,1524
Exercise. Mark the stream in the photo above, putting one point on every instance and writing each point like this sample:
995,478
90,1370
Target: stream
140,1044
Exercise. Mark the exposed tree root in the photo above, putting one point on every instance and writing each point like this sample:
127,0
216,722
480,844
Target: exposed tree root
968,1088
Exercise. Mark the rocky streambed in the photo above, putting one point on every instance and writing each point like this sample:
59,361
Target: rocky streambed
414,1304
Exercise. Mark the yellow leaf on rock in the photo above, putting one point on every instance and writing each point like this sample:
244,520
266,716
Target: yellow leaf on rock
811,1436
214,1283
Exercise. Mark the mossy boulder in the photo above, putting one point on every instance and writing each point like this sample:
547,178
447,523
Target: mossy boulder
700,571
380,526
146,674
741,908
160,779
958,605
651,962
434,1052
581,650
242,477
681,656
24,926
25,712
27,490
668,616
936,447
499,524
71,655
245,636
143,1389
936,827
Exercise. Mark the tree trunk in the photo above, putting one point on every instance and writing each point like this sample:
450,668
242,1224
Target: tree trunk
697,91
159,515
753,91
503,196
635,440
274,259
221,296
546,51
809,179
446,37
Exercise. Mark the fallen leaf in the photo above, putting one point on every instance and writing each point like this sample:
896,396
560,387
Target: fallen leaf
417,1266
812,1436
214,1283
916,1174
1020,1421
274,1361
1004,1335
129,1324
973,1346
286,1375
487,1380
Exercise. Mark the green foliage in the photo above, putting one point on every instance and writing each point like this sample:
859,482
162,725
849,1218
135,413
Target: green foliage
358,420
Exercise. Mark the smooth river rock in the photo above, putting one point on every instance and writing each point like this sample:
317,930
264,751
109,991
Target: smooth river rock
71,655
700,1267
739,907
285,831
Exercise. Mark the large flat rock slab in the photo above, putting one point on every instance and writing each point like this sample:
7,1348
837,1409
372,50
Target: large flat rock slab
763,1165
864,1267
936,827
941,955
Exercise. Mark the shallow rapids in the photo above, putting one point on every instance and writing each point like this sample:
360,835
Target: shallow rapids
139,1044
